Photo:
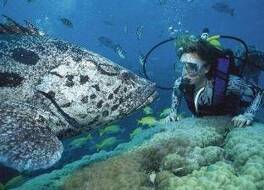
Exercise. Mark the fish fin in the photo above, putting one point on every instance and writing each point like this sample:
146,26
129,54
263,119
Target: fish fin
26,141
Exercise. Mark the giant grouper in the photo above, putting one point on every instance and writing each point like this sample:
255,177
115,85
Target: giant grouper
51,89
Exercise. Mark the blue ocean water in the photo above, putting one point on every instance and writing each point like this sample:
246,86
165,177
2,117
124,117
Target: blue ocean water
120,20
136,26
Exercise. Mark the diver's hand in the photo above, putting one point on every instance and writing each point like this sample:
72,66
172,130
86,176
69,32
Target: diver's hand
170,118
243,120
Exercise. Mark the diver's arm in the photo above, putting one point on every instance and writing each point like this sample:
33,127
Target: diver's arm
175,102
248,93
255,104
176,96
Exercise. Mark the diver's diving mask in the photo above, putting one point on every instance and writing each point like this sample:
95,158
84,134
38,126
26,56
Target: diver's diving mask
191,68
192,65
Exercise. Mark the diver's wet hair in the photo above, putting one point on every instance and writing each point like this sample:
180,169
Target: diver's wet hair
193,44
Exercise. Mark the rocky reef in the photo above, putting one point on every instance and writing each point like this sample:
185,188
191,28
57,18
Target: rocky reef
193,153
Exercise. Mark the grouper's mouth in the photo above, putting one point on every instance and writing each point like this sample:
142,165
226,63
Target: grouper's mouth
141,97
150,98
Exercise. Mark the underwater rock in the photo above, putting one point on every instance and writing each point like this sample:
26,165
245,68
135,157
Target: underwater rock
245,143
217,176
113,174
181,165
56,178
183,138
201,142
254,169
173,162
245,147
53,90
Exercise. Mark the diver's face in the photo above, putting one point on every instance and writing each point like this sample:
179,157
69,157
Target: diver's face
194,68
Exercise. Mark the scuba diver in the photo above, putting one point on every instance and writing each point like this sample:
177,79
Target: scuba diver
212,82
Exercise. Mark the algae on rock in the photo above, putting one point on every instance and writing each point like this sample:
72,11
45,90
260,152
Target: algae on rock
193,153
180,149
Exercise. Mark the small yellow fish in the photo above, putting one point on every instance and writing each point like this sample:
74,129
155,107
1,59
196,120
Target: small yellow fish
147,110
136,132
165,112
107,143
79,142
110,129
14,182
148,120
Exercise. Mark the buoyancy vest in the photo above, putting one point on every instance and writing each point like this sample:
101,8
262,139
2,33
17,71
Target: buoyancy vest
222,104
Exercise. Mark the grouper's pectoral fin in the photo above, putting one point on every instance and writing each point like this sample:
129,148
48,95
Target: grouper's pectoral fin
26,141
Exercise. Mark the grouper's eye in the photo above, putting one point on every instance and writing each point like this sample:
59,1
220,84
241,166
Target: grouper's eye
128,76
110,70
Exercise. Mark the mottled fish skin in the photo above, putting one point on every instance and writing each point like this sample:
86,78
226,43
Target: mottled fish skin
80,89
26,138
